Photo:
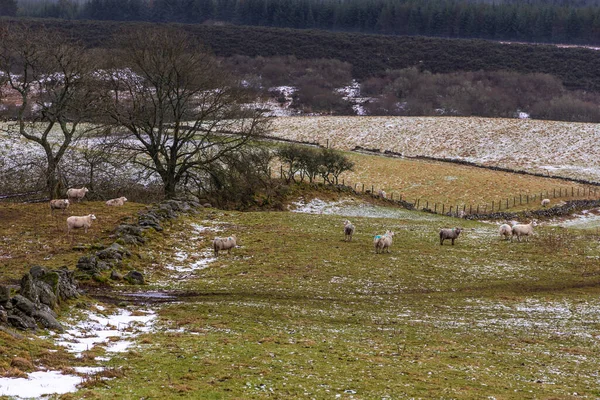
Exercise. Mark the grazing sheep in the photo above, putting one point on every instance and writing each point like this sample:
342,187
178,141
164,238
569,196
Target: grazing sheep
383,242
348,231
545,202
523,230
59,204
449,234
76,194
382,194
116,202
80,222
506,231
224,244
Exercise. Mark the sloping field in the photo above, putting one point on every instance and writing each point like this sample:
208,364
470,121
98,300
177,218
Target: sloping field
454,184
296,312
566,149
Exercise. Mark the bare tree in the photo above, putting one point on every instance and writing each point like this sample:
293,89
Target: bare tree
177,103
52,80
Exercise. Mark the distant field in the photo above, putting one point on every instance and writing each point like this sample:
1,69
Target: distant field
452,184
566,149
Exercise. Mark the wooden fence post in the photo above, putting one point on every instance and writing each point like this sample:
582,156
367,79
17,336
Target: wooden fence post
443,208
477,208
435,208
363,188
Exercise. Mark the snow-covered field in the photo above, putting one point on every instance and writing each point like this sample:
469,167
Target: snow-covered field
566,149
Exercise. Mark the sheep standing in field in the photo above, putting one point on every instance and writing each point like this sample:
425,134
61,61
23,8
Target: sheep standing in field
506,231
545,202
523,230
227,243
348,231
449,234
76,194
59,204
383,242
382,194
116,202
80,222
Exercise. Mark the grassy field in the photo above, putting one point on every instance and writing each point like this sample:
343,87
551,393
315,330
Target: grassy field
439,182
32,236
296,312
559,148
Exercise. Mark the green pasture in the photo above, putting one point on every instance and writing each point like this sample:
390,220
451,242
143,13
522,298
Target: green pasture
296,312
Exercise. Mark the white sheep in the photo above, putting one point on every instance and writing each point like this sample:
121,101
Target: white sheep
348,231
506,231
382,194
545,202
80,222
116,202
76,194
59,204
227,243
383,242
449,234
523,230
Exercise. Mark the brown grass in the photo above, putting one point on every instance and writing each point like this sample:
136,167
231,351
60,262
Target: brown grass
31,236
450,183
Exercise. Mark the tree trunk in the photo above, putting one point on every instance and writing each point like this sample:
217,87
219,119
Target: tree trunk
52,182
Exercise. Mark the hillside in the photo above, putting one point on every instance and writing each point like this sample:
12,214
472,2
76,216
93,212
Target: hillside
555,148
368,54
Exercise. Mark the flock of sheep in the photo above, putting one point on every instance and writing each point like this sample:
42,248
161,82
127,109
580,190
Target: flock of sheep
384,242
75,196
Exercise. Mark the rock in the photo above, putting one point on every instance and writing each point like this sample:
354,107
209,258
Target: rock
47,320
207,205
48,287
115,276
3,316
149,219
87,264
113,252
134,278
22,322
23,304
4,294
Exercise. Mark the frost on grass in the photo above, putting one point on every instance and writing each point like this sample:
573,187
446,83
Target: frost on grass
522,144
114,331
355,208
99,329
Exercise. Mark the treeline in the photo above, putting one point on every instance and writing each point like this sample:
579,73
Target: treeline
531,21
369,55
321,86
485,94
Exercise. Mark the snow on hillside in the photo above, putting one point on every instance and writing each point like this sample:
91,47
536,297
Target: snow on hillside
568,149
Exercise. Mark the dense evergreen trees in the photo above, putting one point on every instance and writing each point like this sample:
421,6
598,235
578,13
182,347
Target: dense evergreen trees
532,21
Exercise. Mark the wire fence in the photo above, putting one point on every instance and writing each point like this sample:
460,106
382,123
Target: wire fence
463,209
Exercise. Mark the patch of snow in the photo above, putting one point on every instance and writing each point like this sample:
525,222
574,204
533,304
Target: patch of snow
39,384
